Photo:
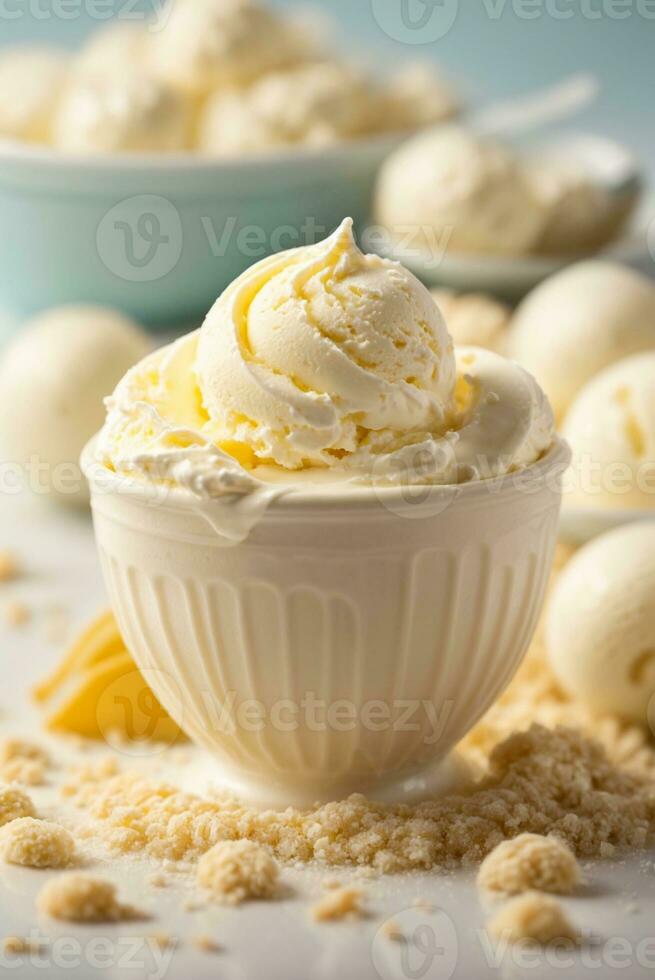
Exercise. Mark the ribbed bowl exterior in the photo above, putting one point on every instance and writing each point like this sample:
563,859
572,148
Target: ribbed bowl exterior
330,651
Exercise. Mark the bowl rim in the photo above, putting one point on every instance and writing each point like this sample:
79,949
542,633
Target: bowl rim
189,161
339,496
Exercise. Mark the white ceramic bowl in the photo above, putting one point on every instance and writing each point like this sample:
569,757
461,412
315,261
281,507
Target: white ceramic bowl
403,611
159,237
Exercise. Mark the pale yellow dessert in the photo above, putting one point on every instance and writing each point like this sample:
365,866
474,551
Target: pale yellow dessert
601,625
31,81
203,45
580,321
474,319
611,429
69,358
311,105
126,112
459,192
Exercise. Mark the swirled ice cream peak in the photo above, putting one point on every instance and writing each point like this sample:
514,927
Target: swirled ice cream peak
323,363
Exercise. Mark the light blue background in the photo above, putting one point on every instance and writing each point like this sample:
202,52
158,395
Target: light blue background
492,50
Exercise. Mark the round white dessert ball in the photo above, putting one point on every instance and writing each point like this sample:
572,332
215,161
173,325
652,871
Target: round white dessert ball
31,80
314,104
611,430
203,45
128,112
580,321
114,49
458,192
600,627
474,319
54,376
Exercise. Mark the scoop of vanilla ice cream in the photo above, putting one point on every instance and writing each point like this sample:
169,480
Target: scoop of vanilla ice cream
581,214
31,80
203,45
416,95
600,627
458,191
311,104
53,377
323,361
300,360
611,429
126,112
578,322
114,49
474,319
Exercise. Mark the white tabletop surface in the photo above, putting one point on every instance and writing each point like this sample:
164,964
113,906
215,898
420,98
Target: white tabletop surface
268,940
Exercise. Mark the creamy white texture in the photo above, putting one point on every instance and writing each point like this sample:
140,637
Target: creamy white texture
327,363
203,45
31,79
460,192
126,111
313,105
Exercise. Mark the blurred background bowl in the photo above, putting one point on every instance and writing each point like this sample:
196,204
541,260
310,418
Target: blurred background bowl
159,237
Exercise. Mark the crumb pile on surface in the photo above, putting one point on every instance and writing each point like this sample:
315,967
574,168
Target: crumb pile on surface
541,781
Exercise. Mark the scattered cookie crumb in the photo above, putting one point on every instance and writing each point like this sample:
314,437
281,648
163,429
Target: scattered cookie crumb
14,803
20,748
530,862
9,566
393,931
158,880
533,916
15,945
206,944
192,905
36,844
330,883
423,903
163,940
29,772
16,613
339,904
233,871
78,897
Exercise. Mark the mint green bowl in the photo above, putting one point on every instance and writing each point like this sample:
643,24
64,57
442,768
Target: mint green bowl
159,237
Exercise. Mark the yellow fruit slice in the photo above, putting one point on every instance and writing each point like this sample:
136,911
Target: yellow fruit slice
97,691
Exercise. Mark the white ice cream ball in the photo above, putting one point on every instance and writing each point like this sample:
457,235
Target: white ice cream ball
611,430
31,81
474,319
53,377
312,105
129,112
112,50
459,192
417,95
202,45
581,215
580,321
600,627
